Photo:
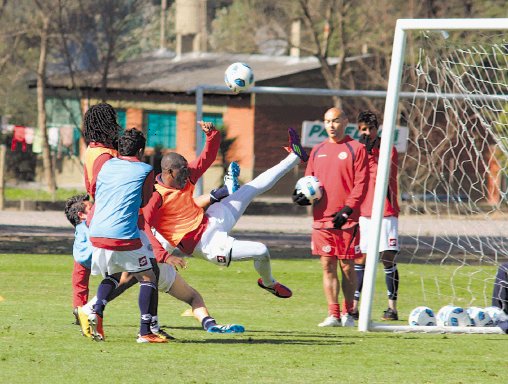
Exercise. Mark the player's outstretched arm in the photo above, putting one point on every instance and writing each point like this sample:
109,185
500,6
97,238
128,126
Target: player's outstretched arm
209,153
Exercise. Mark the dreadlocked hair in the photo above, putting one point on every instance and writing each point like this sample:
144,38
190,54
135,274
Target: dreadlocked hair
368,118
74,206
100,125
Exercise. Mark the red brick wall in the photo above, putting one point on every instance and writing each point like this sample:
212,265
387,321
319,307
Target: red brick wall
240,124
272,123
186,134
134,118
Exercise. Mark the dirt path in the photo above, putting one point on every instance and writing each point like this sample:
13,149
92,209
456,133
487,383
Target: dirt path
286,236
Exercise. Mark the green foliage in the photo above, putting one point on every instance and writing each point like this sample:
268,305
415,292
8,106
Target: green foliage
225,145
16,194
234,28
282,343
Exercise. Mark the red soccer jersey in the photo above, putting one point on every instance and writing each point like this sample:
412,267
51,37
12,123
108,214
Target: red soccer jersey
391,203
342,170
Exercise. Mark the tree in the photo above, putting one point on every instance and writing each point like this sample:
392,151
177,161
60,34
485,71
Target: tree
46,17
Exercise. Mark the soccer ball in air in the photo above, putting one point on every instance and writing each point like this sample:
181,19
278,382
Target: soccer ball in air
496,314
479,317
310,187
422,316
452,316
239,77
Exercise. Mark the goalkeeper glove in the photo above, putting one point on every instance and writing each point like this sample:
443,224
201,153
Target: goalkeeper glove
218,194
341,217
300,199
369,144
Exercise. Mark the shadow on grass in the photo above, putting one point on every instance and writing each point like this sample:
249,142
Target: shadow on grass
253,341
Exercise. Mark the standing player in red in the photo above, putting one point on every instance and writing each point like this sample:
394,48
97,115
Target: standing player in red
100,131
389,240
340,164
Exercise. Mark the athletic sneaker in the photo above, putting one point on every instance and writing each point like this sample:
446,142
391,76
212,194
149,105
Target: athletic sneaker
330,321
231,178
84,324
278,289
96,328
229,328
157,330
150,338
347,320
295,145
163,334
390,314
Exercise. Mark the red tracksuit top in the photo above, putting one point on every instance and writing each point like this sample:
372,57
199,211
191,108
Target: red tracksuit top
391,203
342,169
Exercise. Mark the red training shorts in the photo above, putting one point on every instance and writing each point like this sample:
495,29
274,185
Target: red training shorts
339,243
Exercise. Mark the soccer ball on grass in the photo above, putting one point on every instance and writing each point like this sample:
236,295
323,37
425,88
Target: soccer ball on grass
479,317
452,316
422,316
239,77
496,314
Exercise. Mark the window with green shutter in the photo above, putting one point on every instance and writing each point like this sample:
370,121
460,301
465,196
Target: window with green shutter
160,129
121,115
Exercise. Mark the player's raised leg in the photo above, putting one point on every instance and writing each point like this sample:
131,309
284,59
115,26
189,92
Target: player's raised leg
238,202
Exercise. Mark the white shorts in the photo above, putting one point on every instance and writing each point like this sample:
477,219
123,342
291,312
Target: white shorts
106,261
215,243
167,276
389,239
146,245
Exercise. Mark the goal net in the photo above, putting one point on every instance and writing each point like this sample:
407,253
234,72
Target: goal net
449,86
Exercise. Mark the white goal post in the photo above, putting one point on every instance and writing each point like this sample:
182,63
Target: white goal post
391,117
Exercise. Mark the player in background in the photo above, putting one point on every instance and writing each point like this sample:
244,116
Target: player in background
76,211
340,164
101,132
124,185
182,224
389,240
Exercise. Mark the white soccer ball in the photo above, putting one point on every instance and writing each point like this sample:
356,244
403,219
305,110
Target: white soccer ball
422,316
452,316
239,77
479,318
310,187
496,314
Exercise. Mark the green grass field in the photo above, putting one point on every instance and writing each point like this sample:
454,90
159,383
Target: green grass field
282,344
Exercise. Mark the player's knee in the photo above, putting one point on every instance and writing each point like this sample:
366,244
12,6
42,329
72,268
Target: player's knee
260,251
347,266
388,258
